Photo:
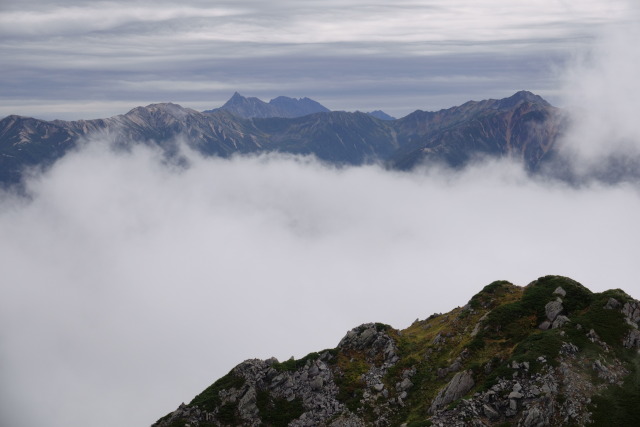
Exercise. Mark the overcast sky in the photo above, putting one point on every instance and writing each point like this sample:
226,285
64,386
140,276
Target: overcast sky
88,59
128,286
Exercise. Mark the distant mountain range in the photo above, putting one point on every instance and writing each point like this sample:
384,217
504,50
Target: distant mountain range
552,353
281,106
523,126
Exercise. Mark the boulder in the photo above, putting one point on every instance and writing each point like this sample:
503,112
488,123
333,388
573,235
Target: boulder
545,325
553,309
534,417
459,385
560,322
560,291
317,383
612,304
490,413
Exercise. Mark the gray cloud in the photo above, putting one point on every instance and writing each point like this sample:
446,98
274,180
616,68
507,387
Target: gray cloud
71,58
604,94
130,285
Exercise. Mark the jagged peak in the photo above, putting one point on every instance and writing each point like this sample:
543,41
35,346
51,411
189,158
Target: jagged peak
520,97
169,109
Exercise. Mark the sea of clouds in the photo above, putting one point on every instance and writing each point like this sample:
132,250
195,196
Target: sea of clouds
130,284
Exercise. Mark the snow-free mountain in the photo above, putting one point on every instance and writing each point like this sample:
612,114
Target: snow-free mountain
282,106
523,127
551,353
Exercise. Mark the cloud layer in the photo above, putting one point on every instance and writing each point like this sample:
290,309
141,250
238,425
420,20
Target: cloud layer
75,59
130,285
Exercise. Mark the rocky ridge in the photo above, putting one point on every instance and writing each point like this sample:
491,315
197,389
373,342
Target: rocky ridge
282,106
502,359
522,127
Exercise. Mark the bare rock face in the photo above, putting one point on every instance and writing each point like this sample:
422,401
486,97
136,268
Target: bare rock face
553,309
632,311
371,339
459,385
380,377
633,339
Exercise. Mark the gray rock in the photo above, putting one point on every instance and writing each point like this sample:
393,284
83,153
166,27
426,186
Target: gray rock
378,387
515,395
313,371
632,339
612,304
489,412
534,390
545,325
317,383
405,384
247,405
560,291
553,309
560,322
459,385
533,417
632,311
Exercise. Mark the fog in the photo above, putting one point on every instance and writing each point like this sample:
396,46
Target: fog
129,284
601,89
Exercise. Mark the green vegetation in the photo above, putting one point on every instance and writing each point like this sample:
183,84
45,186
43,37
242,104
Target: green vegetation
209,399
619,406
228,414
544,343
382,327
350,384
516,320
490,294
497,327
277,412
293,365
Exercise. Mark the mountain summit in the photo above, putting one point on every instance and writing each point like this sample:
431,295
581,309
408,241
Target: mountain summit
281,106
551,353
524,127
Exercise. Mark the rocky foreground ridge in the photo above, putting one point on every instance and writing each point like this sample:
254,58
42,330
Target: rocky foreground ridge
552,353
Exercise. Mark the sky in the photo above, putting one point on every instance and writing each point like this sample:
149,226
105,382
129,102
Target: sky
71,59
129,285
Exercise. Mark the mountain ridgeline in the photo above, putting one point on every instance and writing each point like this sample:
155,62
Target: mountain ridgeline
523,126
551,353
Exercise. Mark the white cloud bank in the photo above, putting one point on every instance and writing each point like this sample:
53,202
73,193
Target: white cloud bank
129,286
602,89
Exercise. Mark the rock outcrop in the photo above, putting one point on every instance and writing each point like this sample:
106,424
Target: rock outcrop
485,364
459,385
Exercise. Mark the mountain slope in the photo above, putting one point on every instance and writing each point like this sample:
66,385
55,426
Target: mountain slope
551,353
523,127
281,106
